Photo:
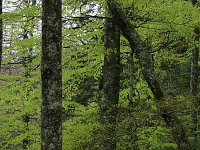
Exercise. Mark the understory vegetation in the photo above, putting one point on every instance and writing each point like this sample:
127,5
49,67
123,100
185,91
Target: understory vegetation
170,31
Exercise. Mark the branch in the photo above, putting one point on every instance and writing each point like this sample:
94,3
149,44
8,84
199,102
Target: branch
142,53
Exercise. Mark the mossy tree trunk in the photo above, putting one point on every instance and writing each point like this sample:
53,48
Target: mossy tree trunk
111,81
132,126
130,33
51,74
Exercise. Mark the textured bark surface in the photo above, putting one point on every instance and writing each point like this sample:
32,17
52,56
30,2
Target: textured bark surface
146,64
111,79
1,34
51,74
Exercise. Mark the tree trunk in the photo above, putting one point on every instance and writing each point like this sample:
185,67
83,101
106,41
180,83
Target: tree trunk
111,82
132,126
1,34
51,74
193,91
131,77
194,72
130,33
194,85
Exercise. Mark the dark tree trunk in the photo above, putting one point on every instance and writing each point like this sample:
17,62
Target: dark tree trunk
1,34
33,2
132,126
194,85
131,77
129,32
194,72
193,91
111,79
51,74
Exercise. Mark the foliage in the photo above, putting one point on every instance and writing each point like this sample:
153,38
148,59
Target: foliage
165,26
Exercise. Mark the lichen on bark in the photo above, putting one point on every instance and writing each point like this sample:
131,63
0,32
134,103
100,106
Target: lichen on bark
51,74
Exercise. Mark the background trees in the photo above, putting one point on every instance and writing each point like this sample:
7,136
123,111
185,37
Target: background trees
166,28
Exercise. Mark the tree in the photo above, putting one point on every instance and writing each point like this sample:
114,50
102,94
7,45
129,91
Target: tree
1,33
194,82
130,33
159,32
111,81
51,74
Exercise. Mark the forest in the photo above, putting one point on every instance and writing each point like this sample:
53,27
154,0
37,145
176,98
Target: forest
99,75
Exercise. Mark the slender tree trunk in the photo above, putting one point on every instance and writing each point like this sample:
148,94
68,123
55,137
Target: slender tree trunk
1,33
51,74
194,84
193,88
132,126
194,72
131,77
111,81
27,75
130,33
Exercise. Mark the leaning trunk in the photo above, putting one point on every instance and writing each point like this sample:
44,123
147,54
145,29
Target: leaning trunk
130,33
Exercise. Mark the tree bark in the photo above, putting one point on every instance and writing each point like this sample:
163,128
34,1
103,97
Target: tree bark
1,33
131,77
51,74
193,91
132,126
111,82
194,84
194,72
130,33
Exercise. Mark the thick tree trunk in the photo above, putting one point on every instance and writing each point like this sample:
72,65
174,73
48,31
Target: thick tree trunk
51,74
1,34
130,33
111,80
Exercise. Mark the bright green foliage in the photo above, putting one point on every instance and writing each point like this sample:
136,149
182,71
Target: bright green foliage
165,26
